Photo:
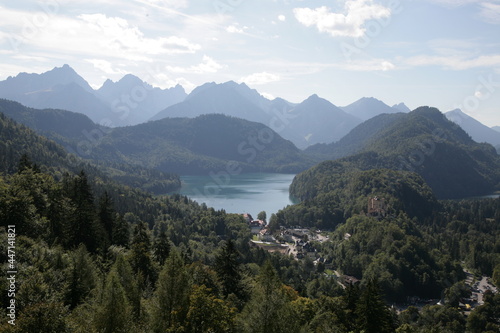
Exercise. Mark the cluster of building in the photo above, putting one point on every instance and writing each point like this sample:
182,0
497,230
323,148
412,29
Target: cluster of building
296,241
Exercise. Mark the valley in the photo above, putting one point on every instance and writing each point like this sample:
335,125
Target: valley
111,214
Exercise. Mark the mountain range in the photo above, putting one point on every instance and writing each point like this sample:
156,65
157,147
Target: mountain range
312,121
126,102
205,144
369,107
17,140
130,101
478,131
228,127
423,141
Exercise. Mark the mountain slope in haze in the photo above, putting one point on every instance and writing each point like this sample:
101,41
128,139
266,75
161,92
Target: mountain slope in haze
369,107
137,101
401,107
59,88
71,132
16,140
209,143
356,140
478,131
427,143
496,128
25,83
51,122
313,121
229,98
128,101
316,120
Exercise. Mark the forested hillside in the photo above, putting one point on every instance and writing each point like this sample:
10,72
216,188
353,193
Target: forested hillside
93,256
17,140
425,142
200,145
389,226
119,260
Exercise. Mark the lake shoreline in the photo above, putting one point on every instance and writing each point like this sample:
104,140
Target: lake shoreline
243,193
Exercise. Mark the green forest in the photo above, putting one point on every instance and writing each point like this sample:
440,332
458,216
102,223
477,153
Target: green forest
85,251
423,141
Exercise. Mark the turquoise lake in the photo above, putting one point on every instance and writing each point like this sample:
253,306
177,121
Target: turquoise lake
243,193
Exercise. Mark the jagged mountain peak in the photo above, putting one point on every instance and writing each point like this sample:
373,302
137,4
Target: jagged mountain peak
31,82
401,107
478,131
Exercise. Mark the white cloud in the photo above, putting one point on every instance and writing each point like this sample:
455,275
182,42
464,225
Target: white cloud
208,65
96,36
348,24
117,33
169,3
490,12
233,29
105,66
260,78
158,78
368,65
282,18
267,95
454,62
454,3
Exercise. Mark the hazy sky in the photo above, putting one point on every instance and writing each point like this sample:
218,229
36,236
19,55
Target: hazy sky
443,53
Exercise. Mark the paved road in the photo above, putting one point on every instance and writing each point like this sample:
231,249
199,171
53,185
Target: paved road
483,286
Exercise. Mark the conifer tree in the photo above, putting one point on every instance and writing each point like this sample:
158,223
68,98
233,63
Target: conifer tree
121,232
113,312
43,317
24,163
208,313
83,228
106,215
351,298
129,283
172,295
81,279
227,268
269,308
162,248
373,316
140,259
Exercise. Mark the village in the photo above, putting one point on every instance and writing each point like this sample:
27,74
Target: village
296,241
299,243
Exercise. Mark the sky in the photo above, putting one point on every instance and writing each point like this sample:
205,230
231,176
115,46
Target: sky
441,53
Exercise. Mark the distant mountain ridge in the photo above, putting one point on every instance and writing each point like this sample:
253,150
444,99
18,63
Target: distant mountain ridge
423,141
137,101
131,101
369,107
356,140
17,139
478,131
202,145
127,102
312,121
401,107
59,125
